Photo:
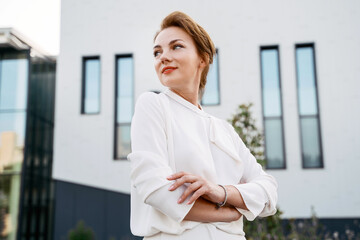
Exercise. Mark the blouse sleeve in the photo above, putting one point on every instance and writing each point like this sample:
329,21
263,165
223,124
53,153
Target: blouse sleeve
258,189
149,159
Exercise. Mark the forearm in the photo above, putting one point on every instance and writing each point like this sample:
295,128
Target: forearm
205,211
234,197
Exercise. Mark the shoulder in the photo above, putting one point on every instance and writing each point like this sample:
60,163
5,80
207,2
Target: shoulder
146,97
148,100
149,103
225,124
232,132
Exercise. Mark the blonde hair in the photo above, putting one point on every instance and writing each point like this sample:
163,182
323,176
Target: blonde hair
203,42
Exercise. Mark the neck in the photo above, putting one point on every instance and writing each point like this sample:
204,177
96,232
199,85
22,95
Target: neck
191,97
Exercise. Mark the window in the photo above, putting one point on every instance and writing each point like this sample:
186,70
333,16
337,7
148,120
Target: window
272,108
308,106
90,100
124,102
212,92
14,78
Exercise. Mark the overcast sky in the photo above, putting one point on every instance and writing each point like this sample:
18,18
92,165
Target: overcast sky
37,20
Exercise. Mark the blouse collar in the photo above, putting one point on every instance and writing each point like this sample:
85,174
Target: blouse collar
186,103
219,134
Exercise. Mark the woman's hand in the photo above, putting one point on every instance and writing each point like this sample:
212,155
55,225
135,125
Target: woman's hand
198,186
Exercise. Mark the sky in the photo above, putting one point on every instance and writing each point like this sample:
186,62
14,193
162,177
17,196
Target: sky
37,20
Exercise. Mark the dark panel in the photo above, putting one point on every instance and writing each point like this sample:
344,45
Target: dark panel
327,228
107,213
36,201
118,217
64,209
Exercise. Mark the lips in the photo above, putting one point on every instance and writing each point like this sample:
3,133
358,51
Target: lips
168,69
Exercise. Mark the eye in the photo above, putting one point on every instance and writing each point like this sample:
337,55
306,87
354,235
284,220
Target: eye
177,46
156,53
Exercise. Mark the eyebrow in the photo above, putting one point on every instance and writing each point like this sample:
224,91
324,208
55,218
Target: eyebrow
171,42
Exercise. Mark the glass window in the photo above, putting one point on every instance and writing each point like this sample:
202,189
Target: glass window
272,108
274,143
308,106
123,105
124,89
123,144
306,81
14,79
13,123
212,92
310,142
271,82
91,85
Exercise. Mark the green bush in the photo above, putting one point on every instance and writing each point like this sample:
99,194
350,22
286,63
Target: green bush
81,232
245,125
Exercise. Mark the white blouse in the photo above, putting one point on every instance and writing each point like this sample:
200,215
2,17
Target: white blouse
170,134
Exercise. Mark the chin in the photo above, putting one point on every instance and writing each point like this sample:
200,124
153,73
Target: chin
169,83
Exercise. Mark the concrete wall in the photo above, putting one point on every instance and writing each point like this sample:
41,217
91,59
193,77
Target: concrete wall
84,143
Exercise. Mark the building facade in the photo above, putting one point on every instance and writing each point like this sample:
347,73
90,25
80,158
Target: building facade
27,88
296,61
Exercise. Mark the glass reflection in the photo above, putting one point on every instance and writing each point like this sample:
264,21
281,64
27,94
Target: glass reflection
124,89
13,103
270,82
274,144
92,86
308,107
306,81
310,142
123,146
9,202
124,105
13,85
272,111
212,94
13,123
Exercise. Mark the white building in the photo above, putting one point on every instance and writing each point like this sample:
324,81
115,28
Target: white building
296,61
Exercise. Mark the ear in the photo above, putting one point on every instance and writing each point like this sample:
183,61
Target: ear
203,61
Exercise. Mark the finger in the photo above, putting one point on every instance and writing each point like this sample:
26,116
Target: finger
182,180
196,195
176,175
190,189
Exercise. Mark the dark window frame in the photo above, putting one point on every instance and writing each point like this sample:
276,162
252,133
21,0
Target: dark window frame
117,56
218,83
83,84
307,45
268,47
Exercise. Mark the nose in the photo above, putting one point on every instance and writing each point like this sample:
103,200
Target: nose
165,56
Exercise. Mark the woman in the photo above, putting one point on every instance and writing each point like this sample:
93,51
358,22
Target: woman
191,174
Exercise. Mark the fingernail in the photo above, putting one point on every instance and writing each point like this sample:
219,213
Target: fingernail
171,187
179,200
188,203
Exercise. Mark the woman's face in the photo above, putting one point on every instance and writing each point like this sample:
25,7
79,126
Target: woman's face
177,62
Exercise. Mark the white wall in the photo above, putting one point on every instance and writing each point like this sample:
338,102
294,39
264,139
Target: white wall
84,143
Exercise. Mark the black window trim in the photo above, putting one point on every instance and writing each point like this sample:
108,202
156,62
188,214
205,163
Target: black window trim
306,45
83,84
268,47
117,56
